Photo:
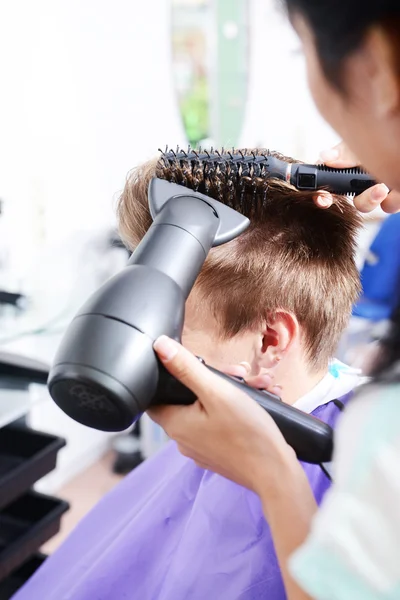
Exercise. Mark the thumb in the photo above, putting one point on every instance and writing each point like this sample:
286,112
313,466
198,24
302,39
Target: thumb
339,157
188,369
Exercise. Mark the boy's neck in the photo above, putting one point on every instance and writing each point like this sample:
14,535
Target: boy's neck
297,380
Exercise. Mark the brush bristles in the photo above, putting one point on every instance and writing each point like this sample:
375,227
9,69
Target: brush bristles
238,178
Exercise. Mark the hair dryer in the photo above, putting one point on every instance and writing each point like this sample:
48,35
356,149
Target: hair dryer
106,373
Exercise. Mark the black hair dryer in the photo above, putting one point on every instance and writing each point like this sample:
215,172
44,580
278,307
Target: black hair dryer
106,373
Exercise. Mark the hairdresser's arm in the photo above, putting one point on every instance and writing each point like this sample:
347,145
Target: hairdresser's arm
227,432
341,157
289,508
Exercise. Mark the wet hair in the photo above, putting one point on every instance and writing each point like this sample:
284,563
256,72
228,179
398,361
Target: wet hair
294,256
340,26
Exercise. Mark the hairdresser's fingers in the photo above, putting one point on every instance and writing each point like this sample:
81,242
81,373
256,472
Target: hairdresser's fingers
166,413
241,370
262,381
339,157
175,420
392,203
191,372
371,198
323,199
365,202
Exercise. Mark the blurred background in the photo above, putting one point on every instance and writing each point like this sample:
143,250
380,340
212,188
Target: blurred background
90,89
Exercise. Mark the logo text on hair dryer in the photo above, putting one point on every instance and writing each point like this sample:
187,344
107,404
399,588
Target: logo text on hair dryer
91,400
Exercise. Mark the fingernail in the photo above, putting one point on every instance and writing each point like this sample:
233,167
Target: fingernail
324,201
165,348
379,192
330,154
276,390
246,366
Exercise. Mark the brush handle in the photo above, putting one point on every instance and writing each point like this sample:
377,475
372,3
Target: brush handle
310,438
337,181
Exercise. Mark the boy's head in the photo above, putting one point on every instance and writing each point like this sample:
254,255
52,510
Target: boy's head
277,297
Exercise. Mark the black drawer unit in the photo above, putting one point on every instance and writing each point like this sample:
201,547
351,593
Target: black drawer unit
12,583
28,519
25,525
26,456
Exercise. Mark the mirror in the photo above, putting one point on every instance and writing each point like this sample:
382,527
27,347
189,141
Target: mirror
210,64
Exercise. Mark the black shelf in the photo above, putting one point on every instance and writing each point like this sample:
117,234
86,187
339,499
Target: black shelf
26,456
28,519
25,525
10,585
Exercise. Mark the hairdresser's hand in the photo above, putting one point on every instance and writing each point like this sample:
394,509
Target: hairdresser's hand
225,431
340,157
262,381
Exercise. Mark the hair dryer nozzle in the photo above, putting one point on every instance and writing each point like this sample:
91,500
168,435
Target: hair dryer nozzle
105,373
108,376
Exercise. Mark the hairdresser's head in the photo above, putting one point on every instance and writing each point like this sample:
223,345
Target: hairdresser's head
352,50
280,295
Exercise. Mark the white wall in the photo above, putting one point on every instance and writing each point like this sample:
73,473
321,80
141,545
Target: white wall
86,94
280,114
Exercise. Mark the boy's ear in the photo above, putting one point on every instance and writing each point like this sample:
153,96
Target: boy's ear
279,332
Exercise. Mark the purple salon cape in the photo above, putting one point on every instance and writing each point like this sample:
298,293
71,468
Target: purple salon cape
171,531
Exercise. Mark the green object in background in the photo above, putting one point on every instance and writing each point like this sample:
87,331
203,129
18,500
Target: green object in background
228,90
210,41
195,112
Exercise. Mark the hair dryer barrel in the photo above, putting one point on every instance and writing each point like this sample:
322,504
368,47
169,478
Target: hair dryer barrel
106,372
178,244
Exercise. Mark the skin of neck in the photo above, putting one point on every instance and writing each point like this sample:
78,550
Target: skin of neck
292,372
296,377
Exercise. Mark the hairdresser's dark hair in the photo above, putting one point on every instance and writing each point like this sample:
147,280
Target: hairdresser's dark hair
340,26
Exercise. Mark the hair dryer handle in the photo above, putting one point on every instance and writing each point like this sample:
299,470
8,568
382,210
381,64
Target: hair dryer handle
310,438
